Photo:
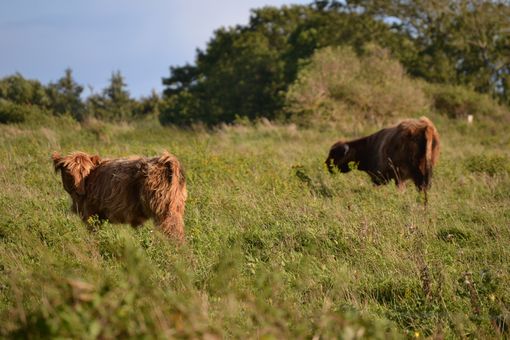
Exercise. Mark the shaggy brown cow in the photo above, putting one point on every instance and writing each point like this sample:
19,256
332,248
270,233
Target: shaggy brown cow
407,150
126,190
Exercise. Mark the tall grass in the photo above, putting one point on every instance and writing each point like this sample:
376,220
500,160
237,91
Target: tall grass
276,247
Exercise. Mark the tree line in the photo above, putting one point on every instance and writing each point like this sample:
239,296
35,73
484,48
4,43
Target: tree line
247,70
22,99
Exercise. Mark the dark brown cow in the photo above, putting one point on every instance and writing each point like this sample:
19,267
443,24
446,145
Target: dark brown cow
408,150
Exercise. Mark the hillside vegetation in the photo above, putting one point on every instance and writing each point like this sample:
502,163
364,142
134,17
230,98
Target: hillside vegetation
246,71
275,245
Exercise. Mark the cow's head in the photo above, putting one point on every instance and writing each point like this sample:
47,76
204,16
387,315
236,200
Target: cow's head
75,168
339,158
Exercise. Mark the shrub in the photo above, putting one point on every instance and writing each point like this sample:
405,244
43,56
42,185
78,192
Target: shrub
178,109
9,112
17,113
458,101
23,91
338,85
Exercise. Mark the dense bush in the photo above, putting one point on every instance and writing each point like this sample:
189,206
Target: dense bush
453,42
147,107
23,91
338,85
180,109
113,103
458,101
11,113
65,97
16,113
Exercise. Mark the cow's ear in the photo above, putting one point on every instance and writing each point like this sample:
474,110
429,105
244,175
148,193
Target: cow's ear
96,160
57,161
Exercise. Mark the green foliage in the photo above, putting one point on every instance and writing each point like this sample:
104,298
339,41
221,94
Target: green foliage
276,247
329,24
114,104
65,96
23,91
241,76
457,42
339,86
246,70
16,113
458,102
23,99
12,113
148,106
179,109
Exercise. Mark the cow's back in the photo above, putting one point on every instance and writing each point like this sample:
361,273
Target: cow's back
113,190
395,151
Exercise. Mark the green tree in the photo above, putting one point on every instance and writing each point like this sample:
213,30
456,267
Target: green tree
458,41
65,96
331,24
114,103
148,106
241,72
22,99
19,90
246,70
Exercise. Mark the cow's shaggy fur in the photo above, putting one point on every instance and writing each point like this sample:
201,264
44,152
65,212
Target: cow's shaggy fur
126,190
408,150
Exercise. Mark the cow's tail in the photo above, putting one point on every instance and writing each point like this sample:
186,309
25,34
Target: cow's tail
169,194
431,153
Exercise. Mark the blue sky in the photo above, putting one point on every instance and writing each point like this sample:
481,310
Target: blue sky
142,39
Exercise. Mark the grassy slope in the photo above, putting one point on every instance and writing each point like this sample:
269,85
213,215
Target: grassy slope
275,245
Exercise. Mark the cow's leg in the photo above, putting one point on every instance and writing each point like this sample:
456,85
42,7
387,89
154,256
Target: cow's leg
172,225
378,179
422,186
137,222
401,185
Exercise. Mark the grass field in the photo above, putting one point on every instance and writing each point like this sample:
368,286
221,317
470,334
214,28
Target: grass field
276,247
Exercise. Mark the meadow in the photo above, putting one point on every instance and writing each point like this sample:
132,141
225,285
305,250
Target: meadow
275,246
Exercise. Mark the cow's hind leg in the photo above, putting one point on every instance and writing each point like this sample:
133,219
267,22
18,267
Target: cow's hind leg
172,225
401,185
422,185
378,179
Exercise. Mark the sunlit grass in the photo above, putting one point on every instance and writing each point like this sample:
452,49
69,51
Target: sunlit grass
275,245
